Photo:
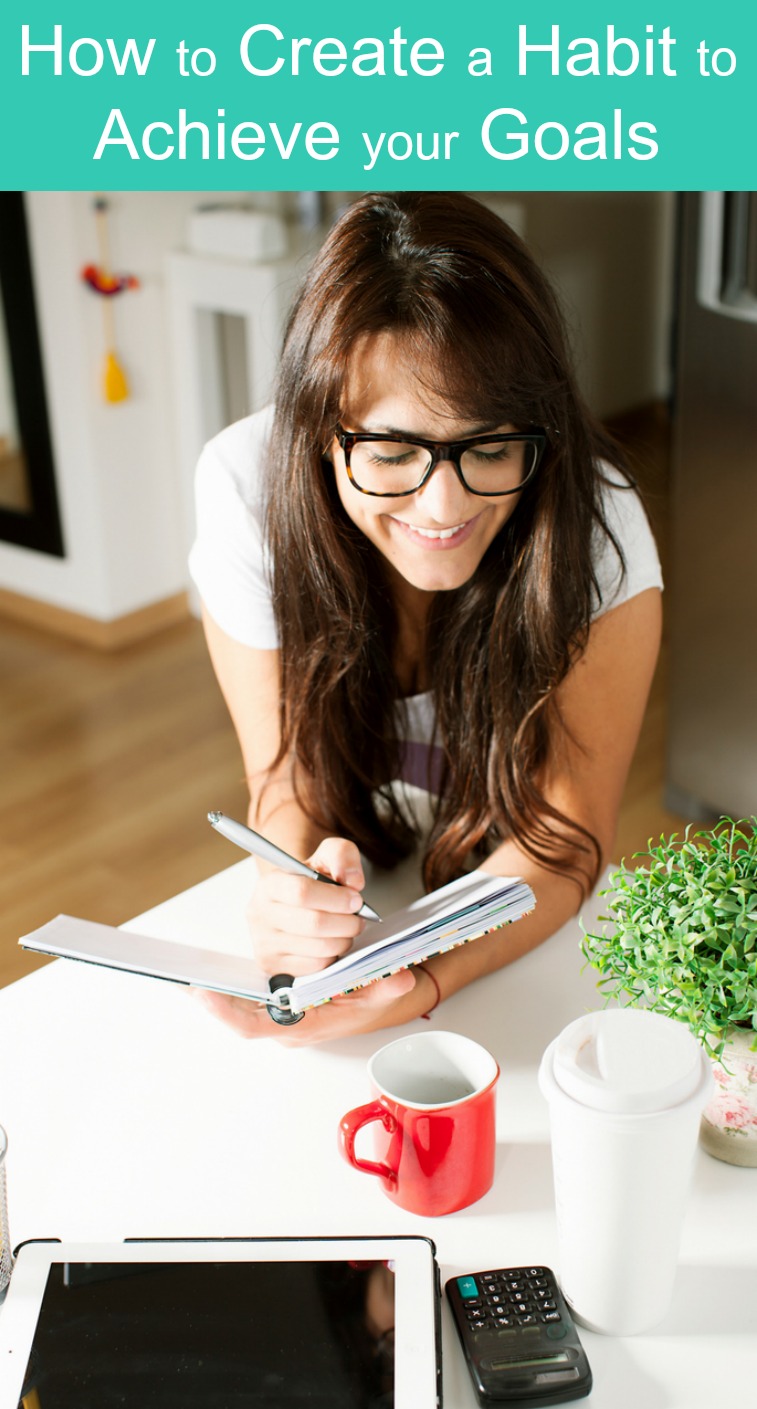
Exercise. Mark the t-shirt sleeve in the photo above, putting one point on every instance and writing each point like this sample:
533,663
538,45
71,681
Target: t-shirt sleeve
228,561
627,519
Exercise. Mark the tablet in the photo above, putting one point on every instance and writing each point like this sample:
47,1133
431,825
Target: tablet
327,1323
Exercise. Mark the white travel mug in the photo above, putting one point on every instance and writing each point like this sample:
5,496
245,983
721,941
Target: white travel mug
626,1089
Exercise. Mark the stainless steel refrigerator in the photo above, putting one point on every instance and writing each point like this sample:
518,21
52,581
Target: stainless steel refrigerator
712,602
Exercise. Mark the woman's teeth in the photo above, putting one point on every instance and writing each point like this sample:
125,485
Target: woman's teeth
436,533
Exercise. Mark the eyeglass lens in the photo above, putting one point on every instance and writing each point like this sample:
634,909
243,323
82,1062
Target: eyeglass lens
387,467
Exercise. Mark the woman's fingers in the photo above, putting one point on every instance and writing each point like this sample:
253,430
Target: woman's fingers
279,958
362,1011
247,1018
297,937
341,860
301,925
313,897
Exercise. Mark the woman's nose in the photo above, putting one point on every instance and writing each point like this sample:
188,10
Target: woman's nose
443,495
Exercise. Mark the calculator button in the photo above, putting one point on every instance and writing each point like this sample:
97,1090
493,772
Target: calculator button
548,1306
540,1282
552,1316
528,1320
557,1333
535,1272
476,1313
521,1307
467,1286
504,1321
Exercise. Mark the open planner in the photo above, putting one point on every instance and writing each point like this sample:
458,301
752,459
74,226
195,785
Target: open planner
462,911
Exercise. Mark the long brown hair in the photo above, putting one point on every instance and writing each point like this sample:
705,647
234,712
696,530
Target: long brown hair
478,319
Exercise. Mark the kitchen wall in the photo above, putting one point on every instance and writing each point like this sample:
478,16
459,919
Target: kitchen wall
115,464
610,256
121,476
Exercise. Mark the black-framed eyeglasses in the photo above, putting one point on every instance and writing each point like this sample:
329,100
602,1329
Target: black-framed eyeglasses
388,466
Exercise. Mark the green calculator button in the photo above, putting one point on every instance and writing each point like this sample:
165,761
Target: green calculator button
467,1286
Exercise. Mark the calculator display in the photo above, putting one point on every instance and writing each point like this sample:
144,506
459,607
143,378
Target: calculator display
217,1335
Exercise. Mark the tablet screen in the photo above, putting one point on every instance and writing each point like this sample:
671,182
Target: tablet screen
220,1335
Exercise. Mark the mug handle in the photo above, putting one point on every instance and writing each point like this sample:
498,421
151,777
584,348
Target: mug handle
348,1129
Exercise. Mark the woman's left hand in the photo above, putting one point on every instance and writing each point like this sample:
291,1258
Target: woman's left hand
384,1003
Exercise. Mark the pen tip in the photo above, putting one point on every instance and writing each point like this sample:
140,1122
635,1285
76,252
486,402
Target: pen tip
213,818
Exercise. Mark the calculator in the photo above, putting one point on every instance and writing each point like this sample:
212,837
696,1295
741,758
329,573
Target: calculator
518,1337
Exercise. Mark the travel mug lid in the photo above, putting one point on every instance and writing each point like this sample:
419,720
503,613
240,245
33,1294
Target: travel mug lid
627,1060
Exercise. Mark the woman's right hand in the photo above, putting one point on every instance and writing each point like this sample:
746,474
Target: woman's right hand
300,926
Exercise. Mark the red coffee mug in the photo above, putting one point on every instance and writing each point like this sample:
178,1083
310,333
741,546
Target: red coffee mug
434,1114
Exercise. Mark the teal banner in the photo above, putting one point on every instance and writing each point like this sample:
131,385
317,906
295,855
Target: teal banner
542,95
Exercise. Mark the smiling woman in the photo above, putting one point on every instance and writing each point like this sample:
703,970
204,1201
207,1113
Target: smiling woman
425,564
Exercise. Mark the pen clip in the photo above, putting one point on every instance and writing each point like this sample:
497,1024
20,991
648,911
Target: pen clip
280,1011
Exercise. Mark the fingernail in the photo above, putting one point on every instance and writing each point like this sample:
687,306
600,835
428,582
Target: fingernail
355,902
354,878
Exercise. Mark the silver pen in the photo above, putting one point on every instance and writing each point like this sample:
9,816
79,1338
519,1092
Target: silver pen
248,840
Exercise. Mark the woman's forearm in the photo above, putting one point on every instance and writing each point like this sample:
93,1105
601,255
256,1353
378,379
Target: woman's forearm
277,813
558,899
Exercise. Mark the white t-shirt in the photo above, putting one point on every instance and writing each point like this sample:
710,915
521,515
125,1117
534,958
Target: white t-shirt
228,560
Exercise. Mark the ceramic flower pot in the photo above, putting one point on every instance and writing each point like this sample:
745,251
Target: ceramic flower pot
729,1122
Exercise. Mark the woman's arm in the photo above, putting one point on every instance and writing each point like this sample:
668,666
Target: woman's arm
249,681
602,702
297,925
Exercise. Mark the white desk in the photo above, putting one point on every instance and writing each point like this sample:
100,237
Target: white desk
130,1111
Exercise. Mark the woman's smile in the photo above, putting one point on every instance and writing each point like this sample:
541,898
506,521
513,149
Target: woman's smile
436,539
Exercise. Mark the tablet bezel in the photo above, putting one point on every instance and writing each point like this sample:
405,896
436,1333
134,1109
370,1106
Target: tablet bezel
417,1345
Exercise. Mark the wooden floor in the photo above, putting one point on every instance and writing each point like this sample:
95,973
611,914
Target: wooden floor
110,762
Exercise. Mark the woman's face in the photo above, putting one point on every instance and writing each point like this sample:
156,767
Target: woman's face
435,538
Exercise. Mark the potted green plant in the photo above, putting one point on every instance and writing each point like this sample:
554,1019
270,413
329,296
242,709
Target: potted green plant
680,937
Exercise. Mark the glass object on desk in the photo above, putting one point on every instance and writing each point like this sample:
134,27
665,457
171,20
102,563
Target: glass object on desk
5,1245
